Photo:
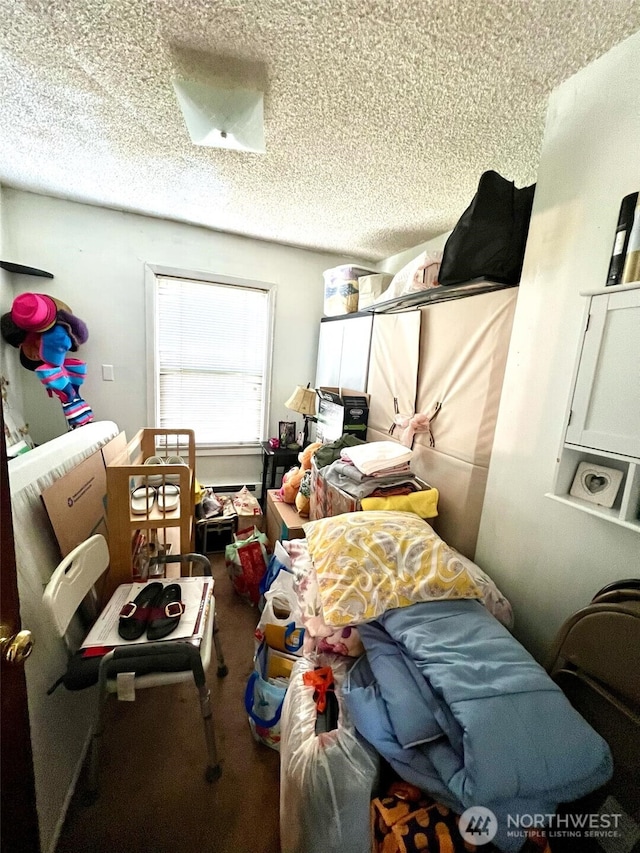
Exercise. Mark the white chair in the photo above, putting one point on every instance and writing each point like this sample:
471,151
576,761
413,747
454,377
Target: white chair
71,589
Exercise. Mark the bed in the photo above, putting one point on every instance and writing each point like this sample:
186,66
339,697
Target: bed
430,678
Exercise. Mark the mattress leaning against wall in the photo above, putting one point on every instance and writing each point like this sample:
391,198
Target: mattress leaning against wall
462,345
60,723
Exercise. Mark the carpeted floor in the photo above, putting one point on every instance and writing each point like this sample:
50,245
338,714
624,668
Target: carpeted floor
153,795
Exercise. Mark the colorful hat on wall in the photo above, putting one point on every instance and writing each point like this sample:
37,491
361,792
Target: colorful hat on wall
35,312
11,333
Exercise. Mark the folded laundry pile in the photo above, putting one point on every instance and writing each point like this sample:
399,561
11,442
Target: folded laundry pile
376,457
378,469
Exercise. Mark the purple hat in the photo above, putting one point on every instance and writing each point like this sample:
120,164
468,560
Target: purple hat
35,312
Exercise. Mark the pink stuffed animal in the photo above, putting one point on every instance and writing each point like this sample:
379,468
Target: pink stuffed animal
416,423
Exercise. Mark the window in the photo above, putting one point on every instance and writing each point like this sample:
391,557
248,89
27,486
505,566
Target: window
212,357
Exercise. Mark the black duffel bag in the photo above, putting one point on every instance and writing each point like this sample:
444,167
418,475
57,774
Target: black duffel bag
489,238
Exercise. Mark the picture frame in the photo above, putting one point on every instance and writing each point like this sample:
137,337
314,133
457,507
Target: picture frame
597,484
287,433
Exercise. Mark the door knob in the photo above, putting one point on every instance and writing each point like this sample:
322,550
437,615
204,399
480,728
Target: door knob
16,647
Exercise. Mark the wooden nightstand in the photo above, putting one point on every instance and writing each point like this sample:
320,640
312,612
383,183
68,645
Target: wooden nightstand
272,459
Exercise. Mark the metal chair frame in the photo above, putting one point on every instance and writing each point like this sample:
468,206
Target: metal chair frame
160,663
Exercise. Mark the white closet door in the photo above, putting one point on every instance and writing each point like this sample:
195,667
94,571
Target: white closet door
329,354
393,368
343,352
354,362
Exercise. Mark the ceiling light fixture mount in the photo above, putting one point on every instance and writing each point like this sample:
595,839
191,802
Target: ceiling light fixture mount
222,117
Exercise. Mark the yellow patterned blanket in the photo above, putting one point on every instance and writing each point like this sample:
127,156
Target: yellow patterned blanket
370,562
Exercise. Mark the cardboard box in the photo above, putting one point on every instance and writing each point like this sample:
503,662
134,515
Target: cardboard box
328,500
340,411
279,664
114,449
283,521
370,287
76,503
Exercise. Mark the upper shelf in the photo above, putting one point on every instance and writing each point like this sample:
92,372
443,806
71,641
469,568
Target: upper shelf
20,268
615,288
435,294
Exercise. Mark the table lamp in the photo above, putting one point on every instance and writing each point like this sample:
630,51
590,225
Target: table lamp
303,401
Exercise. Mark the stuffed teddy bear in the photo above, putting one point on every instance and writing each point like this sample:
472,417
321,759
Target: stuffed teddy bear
292,479
290,484
304,492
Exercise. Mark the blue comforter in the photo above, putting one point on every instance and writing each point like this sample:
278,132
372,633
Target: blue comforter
459,708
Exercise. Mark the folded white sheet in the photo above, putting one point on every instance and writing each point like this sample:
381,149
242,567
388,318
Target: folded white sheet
376,455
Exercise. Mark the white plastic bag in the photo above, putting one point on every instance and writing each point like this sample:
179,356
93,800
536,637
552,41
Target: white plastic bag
245,503
419,274
326,780
280,623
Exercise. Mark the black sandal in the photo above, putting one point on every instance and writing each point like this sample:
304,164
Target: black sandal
135,614
166,612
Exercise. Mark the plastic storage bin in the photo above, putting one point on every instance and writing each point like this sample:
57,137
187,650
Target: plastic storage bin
341,289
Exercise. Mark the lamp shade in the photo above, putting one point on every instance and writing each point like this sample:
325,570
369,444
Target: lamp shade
303,400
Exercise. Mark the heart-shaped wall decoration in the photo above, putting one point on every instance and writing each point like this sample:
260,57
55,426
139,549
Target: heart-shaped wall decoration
595,483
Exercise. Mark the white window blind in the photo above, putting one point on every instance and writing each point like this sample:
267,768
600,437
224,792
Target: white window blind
212,344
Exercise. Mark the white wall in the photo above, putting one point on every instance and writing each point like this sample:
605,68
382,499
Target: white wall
6,294
550,559
97,257
10,367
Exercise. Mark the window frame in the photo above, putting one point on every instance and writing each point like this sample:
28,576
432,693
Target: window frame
152,273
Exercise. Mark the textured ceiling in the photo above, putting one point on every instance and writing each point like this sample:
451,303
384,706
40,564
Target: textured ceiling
380,115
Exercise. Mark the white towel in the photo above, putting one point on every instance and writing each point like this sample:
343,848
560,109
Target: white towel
376,455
